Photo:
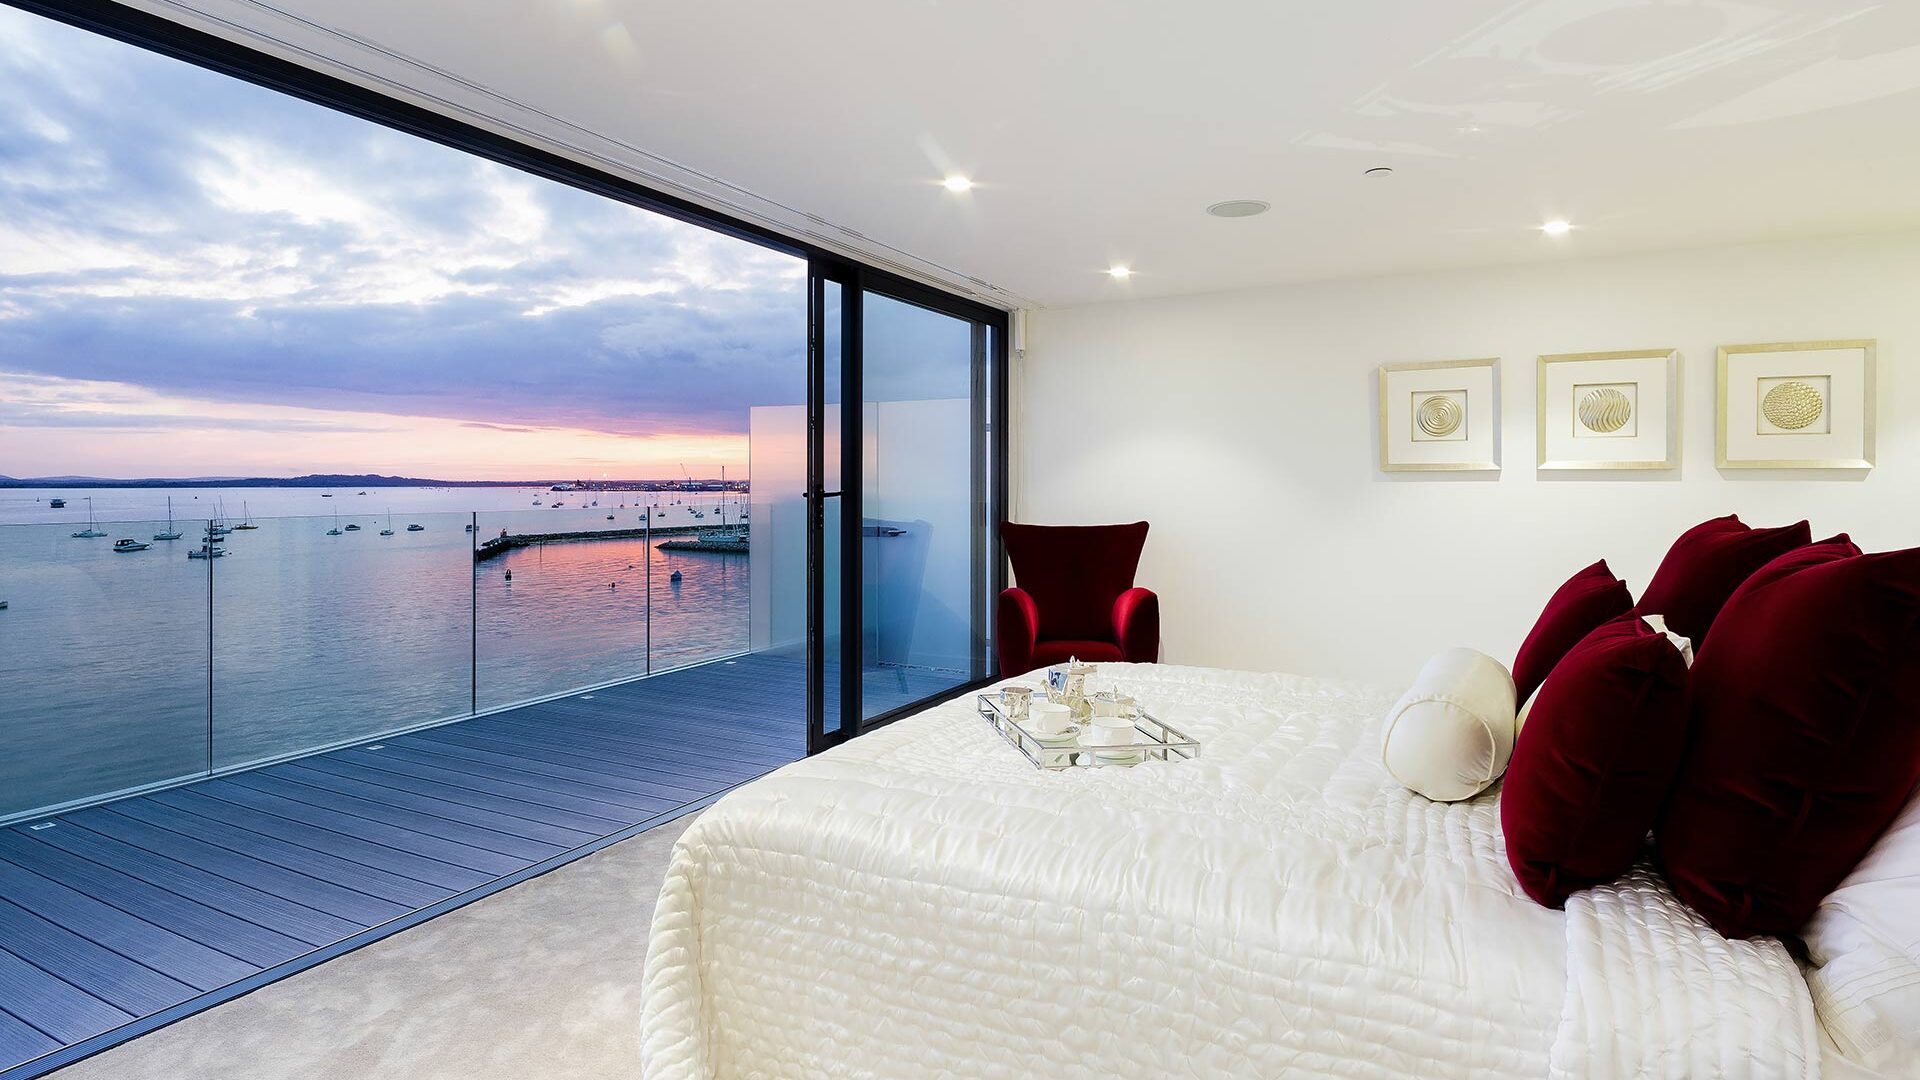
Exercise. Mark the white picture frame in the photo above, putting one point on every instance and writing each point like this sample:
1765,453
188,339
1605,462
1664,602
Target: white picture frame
1608,410
1440,416
1796,405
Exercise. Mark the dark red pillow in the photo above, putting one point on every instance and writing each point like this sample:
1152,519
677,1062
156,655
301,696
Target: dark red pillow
1595,760
1588,599
1706,564
1805,736
1074,573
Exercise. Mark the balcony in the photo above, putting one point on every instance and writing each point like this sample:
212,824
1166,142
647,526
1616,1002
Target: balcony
231,769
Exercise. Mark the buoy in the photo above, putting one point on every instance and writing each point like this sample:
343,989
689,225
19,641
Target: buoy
509,577
675,577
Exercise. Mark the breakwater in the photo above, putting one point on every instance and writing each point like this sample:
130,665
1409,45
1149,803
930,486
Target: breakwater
505,542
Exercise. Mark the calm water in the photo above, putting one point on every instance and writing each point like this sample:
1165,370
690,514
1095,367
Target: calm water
104,656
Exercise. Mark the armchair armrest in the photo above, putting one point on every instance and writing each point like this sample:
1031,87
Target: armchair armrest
1136,625
1016,631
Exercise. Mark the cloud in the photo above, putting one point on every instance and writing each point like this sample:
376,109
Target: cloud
169,228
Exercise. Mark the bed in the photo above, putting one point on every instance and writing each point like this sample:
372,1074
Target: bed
922,902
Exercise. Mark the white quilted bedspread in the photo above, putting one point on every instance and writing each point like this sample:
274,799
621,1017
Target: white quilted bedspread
921,902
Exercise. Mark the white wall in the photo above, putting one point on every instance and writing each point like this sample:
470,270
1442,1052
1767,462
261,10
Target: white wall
1242,425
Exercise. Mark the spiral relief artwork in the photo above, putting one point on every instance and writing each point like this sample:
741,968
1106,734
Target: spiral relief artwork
1605,411
1439,416
1791,406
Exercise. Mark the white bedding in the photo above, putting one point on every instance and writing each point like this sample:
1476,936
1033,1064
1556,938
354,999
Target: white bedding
921,902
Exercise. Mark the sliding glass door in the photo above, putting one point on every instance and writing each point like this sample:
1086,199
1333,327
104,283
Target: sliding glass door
901,545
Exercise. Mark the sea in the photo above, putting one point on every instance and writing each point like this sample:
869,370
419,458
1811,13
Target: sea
121,669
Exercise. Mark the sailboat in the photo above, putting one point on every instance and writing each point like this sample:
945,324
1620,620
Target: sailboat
335,531
388,531
171,533
89,532
246,521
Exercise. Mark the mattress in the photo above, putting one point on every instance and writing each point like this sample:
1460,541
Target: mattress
922,902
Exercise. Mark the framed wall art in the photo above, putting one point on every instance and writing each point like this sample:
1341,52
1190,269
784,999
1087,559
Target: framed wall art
1796,405
1608,410
1440,416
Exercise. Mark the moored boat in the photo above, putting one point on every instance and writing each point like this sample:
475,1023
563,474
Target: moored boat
171,533
130,544
89,532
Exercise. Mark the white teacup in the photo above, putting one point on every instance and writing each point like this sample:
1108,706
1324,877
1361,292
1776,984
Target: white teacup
1049,717
1111,731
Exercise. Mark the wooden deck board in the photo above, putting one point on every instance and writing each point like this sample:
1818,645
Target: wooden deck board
128,908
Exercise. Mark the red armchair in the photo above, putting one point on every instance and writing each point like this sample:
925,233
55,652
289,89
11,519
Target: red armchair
1075,597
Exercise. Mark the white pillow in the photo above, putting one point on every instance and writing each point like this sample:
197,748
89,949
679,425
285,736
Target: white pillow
1864,942
1450,735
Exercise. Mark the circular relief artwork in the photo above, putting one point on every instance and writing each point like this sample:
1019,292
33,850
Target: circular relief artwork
1791,406
1605,411
1439,416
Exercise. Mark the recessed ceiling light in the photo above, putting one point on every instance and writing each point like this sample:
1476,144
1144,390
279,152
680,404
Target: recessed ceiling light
1119,273
957,183
1239,208
1379,170
1557,227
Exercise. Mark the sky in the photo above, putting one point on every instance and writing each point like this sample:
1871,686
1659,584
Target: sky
200,277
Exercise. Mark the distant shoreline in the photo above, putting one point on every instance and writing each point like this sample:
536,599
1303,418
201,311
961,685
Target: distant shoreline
366,481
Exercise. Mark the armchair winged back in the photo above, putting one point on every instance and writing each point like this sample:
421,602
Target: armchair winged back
1075,597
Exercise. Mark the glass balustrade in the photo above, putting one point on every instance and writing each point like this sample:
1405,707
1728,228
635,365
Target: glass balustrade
103,653
328,618
339,626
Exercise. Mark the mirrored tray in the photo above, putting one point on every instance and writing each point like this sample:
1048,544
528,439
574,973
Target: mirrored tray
1153,741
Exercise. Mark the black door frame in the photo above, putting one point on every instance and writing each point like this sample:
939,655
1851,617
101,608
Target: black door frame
842,493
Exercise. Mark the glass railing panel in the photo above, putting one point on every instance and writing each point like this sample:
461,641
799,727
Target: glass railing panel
562,592
103,652
340,616
701,596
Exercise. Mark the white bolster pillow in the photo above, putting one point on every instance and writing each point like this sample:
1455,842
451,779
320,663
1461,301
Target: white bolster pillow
1450,735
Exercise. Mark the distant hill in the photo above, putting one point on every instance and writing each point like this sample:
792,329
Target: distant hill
364,480
312,480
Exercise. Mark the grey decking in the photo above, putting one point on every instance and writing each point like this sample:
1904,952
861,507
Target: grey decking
122,916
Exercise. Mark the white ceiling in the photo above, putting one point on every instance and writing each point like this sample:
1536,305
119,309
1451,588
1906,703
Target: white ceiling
1098,130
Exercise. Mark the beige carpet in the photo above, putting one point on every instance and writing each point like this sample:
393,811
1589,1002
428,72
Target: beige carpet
541,980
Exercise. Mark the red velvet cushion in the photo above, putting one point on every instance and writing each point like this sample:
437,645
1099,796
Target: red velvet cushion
1588,599
1059,651
1074,573
1706,564
1595,760
1805,736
